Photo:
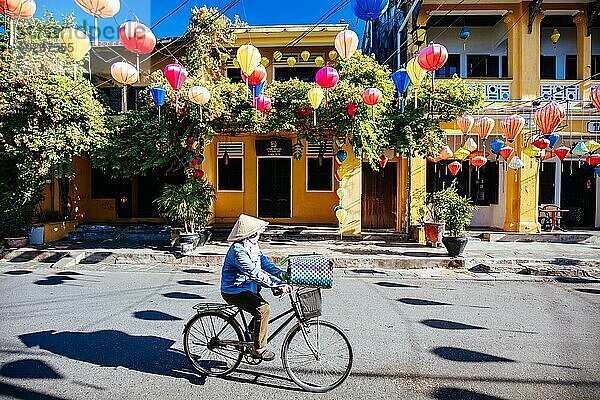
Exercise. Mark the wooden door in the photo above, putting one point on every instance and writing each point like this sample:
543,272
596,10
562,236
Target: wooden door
274,187
379,197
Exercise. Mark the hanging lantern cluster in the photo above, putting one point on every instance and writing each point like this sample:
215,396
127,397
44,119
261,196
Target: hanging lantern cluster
194,149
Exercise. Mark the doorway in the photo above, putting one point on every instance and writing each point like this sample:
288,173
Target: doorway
578,194
275,187
379,197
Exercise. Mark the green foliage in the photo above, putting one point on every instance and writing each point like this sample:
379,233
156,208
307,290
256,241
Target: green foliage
447,206
188,203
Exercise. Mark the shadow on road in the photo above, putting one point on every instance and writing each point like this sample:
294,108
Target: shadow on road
153,315
110,348
262,379
451,325
588,290
183,295
395,285
464,355
448,393
192,282
29,369
18,272
17,392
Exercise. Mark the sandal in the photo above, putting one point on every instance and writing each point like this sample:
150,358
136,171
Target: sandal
265,355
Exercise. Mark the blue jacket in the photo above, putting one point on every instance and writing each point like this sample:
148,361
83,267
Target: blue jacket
240,274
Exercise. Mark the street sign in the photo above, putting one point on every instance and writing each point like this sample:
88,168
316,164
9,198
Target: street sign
594,126
274,147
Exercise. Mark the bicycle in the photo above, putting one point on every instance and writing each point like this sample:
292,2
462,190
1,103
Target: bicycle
316,354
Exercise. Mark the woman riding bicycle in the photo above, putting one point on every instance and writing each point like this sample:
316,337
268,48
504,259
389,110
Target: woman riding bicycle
245,270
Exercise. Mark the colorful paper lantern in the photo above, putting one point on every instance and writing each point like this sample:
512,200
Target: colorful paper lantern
346,43
516,163
291,61
548,117
315,97
341,214
124,73
159,95
236,63
18,9
305,55
415,72
512,126
464,34
432,58
461,154
341,193
561,152
256,90
484,127
277,55
327,77
383,160
554,36
249,58
597,171
580,149
371,97
368,9
531,151
446,153
541,143
401,81
595,96
76,42
319,61
199,95
553,139
465,123
100,8
478,161
592,145
351,108
258,76
332,55
505,152
496,145
262,103
176,75
593,159
454,167
264,61
470,145
341,156
137,37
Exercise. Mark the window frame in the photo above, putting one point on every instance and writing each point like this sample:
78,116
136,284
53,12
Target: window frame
332,174
487,58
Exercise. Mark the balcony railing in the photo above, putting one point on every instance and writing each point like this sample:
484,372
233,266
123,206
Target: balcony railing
560,91
492,90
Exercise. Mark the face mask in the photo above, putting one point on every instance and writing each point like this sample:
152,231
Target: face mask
254,239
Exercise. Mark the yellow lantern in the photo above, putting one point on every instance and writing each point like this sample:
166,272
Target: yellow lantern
277,56
124,73
531,150
555,36
315,97
319,61
333,55
199,95
224,57
419,36
592,145
248,57
461,154
265,61
236,63
291,61
346,43
305,55
100,8
415,72
341,215
18,9
76,42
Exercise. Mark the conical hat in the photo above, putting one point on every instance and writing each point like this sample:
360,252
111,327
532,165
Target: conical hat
245,227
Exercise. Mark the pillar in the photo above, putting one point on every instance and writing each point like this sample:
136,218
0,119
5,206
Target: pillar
584,53
352,181
413,181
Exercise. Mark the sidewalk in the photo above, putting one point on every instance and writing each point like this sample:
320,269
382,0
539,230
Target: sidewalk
530,258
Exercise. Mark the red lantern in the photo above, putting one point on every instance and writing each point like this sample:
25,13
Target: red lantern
595,97
454,167
484,127
305,112
512,126
371,97
465,123
561,152
137,37
435,159
351,109
199,174
262,103
478,161
383,161
547,118
541,143
506,152
258,76
432,58
593,159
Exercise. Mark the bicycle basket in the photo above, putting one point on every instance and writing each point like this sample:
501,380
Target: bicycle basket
309,301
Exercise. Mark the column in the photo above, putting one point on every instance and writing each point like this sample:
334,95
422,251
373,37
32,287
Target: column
584,53
352,181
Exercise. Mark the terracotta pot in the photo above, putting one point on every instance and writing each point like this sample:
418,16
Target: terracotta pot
434,233
17,241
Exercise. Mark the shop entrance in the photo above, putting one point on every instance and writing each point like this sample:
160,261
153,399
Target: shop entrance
578,194
379,198
275,187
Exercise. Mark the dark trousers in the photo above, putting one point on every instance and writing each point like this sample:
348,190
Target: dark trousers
260,310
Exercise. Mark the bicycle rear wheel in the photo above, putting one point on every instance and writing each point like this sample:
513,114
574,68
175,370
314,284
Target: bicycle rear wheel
320,360
209,341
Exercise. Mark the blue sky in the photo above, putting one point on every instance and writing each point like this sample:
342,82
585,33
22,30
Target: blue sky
267,12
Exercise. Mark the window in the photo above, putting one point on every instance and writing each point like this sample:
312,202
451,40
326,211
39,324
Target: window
319,176
571,67
451,67
548,67
230,175
305,74
595,65
505,66
482,66
234,75
134,101
114,97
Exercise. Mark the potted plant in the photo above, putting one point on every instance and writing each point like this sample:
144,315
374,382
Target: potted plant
15,224
458,212
434,224
188,204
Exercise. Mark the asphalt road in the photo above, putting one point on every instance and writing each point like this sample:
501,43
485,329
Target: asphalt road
118,335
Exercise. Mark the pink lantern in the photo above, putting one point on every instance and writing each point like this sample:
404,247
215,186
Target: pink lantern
258,76
371,97
176,75
327,77
137,37
262,103
351,109
432,58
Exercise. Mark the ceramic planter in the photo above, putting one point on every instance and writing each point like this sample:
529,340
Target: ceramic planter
455,245
434,233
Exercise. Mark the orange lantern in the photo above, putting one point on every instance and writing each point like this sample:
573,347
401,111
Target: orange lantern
434,159
465,123
595,97
137,37
478,161
100,8
512,126
18,9
484,127
446,153
506,152
454,167
548,117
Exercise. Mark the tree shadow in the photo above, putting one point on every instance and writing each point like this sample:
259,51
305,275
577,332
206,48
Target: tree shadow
29,369
196,271
153,315
448,393
588,290
54,280
421,302
183,295
464,355
395,285
111,348
450,325
192,282
96,257
17,392
18,272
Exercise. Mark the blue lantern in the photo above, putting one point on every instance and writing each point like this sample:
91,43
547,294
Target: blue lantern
159,95
464,35
341,156
401,80
368,10
597,170
553,138
256,89
496,145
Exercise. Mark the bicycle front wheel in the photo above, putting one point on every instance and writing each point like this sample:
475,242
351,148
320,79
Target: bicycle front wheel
212,343
317,356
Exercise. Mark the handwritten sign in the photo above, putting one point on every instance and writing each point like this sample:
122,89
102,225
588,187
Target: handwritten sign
274,147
